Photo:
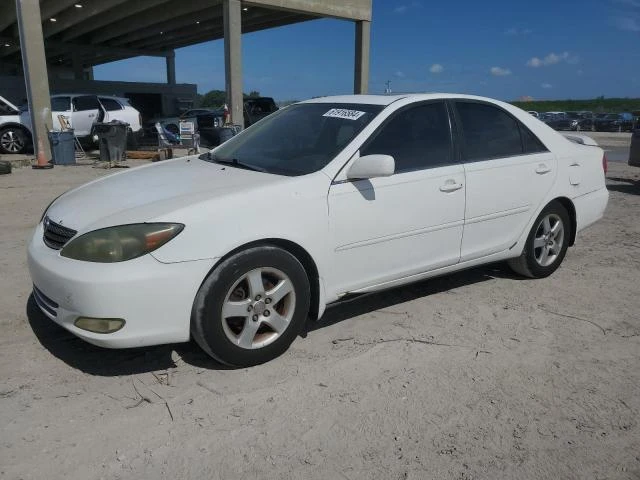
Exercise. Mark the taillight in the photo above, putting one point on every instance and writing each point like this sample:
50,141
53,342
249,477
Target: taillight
605,163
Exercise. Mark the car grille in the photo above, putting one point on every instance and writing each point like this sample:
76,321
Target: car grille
45,303
55,235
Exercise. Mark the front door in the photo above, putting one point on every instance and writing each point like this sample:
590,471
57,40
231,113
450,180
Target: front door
388,228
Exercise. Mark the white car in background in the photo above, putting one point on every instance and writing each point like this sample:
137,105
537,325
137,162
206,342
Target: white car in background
79,110
321,200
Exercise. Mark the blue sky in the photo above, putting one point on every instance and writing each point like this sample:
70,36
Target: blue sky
499,48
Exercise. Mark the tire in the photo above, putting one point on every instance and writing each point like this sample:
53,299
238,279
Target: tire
265,292
532,262
13,140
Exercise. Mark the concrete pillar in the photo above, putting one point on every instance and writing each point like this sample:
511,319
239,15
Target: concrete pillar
35,73
171,67
232,16
363,46
78,69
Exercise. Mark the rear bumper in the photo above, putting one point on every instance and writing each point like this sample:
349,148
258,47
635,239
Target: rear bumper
590,208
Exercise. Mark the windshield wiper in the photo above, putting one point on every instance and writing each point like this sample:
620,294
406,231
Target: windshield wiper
210,156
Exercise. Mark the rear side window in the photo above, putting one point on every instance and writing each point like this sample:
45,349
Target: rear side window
531,143
81,104
110,104
488,132
418,137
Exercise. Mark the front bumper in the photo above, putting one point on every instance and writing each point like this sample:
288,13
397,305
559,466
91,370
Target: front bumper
154,298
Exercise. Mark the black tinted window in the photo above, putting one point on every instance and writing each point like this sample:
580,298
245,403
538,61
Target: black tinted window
81,104
60,104
110,104
531,143
417,138
488,132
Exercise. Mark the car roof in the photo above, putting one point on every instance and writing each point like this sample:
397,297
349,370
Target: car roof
389,99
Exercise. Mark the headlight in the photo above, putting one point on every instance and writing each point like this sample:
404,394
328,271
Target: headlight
118,244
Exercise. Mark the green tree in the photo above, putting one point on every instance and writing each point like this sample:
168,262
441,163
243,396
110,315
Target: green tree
213,99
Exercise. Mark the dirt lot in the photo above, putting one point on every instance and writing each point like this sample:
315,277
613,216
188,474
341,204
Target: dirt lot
479,375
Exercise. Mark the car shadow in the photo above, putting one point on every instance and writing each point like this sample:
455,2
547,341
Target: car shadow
367,303
627,185
105,362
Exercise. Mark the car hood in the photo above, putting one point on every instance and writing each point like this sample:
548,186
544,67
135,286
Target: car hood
146,193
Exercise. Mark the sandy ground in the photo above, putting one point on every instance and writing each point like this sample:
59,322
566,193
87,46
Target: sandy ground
478,375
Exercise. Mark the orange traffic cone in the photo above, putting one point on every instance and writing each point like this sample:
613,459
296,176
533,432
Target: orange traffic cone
41,160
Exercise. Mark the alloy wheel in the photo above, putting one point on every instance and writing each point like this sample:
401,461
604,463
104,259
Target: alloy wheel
258,308
11,141
548,240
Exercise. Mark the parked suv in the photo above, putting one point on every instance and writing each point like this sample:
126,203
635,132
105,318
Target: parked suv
14,134
80,111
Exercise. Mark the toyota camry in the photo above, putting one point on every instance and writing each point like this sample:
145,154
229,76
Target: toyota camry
323,199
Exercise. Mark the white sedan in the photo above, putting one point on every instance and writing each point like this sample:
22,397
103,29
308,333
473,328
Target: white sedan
325,198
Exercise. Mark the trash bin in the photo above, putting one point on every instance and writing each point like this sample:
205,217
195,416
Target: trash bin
634,151
225,133
63,147
112,138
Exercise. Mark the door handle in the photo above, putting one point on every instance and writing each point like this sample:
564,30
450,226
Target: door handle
450,186
542,169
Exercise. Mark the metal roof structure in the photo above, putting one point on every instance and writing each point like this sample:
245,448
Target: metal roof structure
93,32
40,34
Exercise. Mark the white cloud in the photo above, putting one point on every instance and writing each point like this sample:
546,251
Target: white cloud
436,68
630,3
405,7
553,59
627,24
500,72
546,85
512,32
399,74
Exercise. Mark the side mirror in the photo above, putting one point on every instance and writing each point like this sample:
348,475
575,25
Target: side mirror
372,166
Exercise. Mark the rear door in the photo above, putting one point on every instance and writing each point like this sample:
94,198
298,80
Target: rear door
508,173
86,111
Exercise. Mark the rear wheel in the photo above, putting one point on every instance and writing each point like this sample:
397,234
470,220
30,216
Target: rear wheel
13,140
546,245
251,307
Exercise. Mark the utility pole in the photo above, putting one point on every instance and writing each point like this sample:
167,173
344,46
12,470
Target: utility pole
387,89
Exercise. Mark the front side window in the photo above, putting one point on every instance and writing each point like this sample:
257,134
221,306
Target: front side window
299,139
418,137
487,132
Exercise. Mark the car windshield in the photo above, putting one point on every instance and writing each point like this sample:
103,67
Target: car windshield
298,139
60,104
572,115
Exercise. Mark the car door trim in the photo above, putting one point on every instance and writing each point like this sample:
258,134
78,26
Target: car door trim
395,236
503,213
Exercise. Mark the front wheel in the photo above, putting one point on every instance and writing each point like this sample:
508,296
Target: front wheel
546,245
251,307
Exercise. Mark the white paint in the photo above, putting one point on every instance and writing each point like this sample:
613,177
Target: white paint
363,235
